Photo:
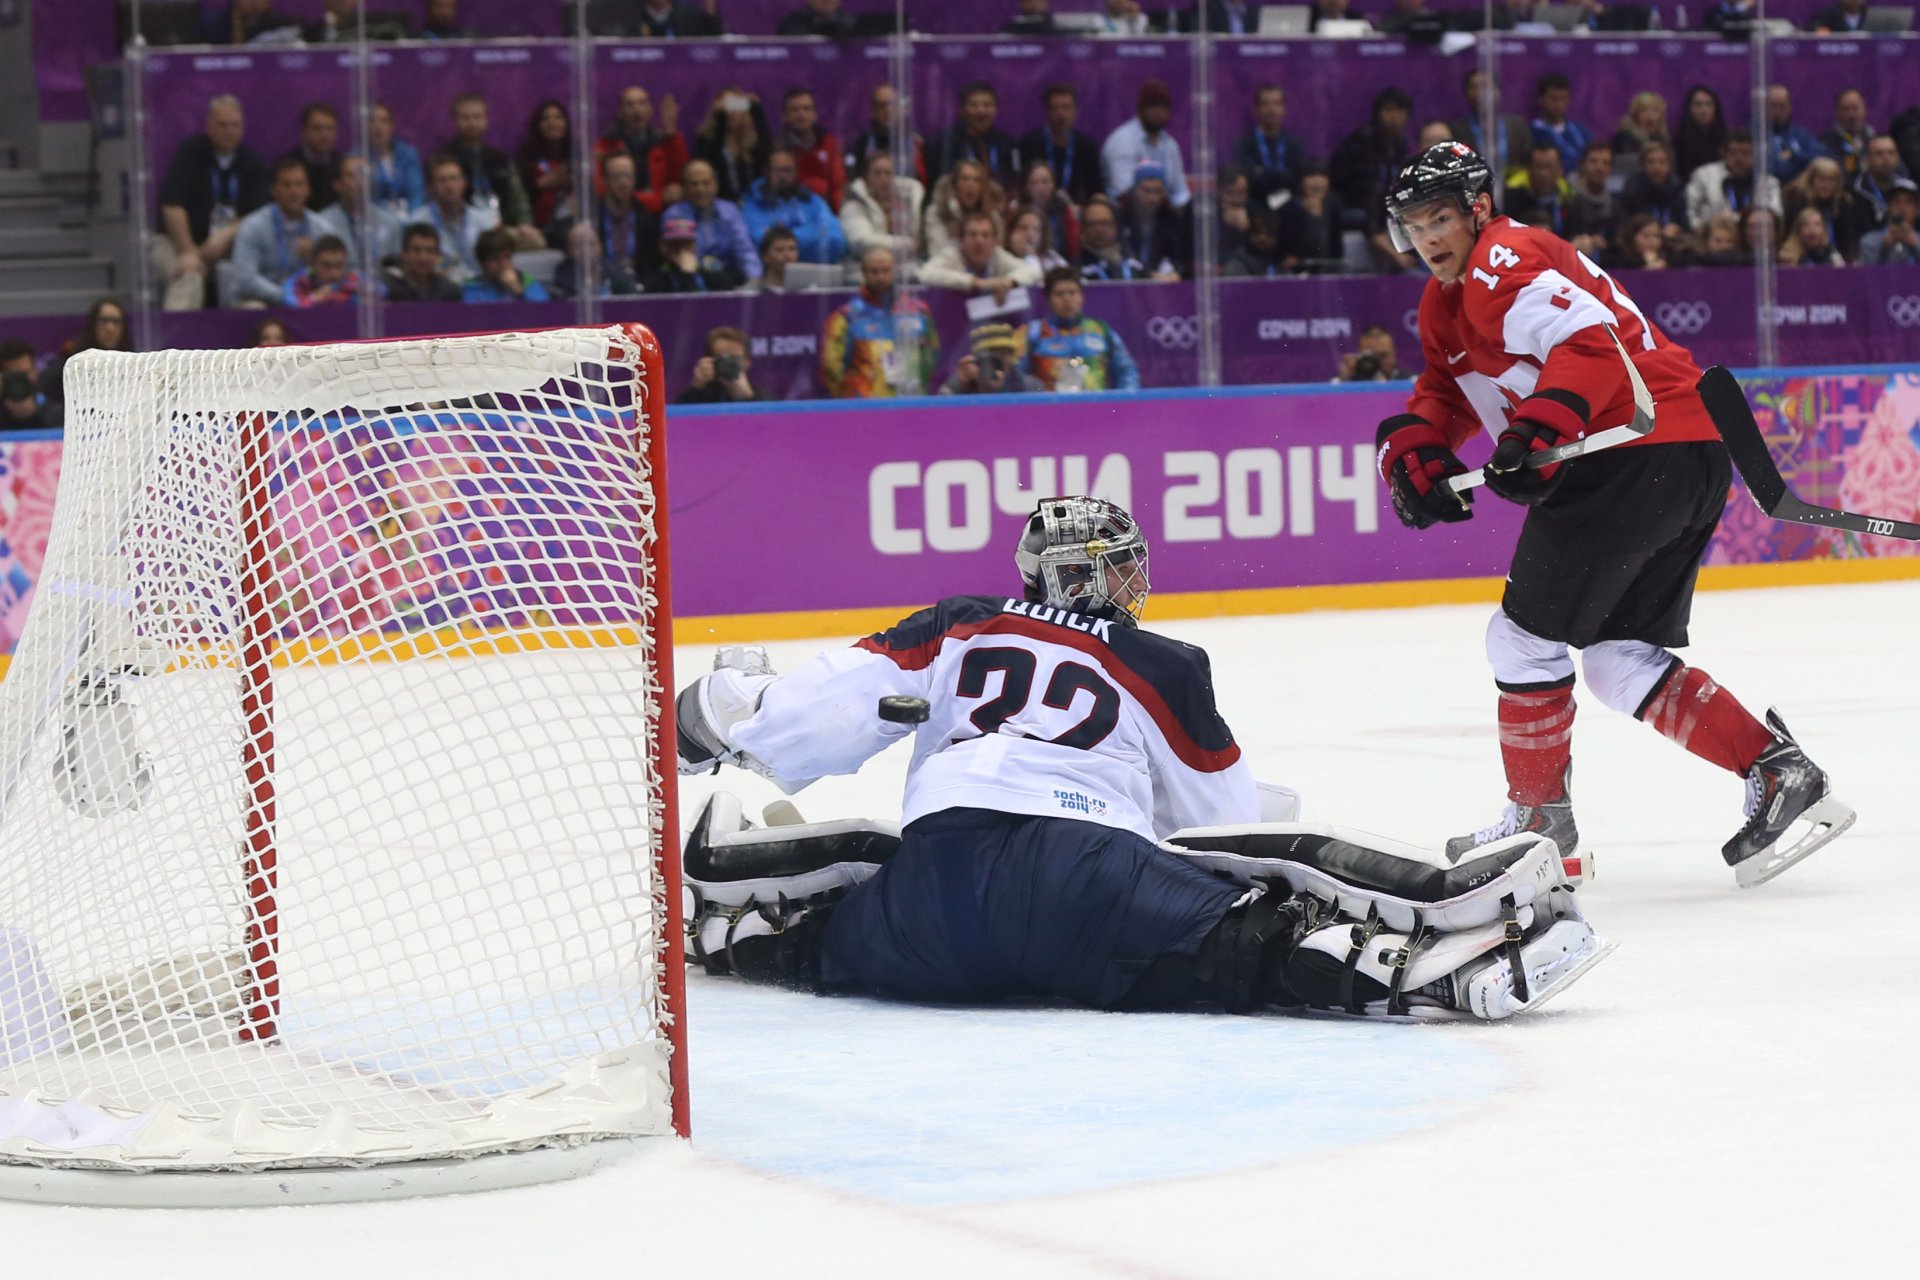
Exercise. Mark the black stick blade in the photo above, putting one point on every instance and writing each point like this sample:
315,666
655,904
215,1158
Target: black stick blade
1733,418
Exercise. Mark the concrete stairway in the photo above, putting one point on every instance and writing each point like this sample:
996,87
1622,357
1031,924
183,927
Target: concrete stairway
47,261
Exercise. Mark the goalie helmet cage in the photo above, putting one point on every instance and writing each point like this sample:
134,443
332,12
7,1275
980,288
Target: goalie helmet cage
337,818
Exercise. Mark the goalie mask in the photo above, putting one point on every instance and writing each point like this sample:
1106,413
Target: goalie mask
1450,171
1086,554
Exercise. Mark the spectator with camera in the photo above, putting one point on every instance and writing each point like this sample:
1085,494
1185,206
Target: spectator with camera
779,199
990,366
1376,361
735,141
720,374
878,344
22,405
1068,350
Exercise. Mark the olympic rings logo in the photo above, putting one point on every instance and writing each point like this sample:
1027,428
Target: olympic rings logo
1175,333
1683,317
1904,310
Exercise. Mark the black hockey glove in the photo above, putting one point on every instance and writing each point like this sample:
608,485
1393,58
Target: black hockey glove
1541,422
1414,458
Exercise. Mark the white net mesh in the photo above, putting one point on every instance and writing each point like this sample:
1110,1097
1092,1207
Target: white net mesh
330,812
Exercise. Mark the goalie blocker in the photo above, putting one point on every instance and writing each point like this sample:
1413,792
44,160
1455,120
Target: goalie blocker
1327,918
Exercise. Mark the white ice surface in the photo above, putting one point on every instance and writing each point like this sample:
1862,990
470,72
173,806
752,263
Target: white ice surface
1732,1093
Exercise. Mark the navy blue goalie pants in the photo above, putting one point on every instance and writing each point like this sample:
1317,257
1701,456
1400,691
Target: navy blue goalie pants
978,906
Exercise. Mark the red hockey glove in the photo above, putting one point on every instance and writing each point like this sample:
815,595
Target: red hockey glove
1414,458
1541,422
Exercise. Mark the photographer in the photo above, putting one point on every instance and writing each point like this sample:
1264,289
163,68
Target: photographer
720,376
991,367
1375,361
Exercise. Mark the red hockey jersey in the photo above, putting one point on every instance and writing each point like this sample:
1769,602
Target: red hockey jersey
1527,319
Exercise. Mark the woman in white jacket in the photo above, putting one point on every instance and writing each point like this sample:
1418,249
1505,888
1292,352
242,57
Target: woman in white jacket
870,216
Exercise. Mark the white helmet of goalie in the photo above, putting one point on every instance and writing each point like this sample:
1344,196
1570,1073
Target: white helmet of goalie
1086,554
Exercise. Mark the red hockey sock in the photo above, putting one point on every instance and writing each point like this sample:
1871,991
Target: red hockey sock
1536,742
1691,709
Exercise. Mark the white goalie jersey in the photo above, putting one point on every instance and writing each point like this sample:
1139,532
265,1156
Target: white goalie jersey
1033,710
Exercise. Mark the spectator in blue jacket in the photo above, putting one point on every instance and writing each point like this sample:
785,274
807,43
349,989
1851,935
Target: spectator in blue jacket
1552,94
720,233
1794,148
499,280
399,180
779,200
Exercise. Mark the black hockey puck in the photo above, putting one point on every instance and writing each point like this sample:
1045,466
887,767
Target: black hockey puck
902,709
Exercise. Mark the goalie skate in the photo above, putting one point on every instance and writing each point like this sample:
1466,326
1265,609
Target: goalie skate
1784,790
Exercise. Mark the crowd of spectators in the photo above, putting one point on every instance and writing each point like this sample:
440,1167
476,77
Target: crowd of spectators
1006,202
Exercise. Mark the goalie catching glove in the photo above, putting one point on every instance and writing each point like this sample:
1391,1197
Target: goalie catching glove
1415,460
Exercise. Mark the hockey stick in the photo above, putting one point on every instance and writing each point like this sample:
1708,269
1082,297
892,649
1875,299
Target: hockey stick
1642,424
1733,418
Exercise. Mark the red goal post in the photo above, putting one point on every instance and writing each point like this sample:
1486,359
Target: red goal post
337,811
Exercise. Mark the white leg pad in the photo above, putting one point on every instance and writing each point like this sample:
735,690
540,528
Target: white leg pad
730,862
1364,872
1553,960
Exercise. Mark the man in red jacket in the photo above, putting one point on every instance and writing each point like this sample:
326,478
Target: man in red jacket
1529,340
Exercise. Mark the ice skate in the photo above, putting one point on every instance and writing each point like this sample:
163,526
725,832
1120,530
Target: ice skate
1553,819
1783,788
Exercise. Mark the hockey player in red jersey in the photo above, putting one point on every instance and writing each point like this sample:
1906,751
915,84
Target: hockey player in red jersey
1079,824
1527,339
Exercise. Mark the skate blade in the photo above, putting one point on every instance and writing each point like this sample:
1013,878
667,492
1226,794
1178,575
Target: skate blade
1829,818
1601,949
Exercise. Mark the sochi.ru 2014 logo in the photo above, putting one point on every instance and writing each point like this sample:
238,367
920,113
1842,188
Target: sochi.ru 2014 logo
1904,310
1175,333
1683,317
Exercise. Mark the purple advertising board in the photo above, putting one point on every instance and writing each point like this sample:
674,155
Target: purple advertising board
877,505
901,504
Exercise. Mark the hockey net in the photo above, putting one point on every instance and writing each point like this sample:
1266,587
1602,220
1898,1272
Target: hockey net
333,822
